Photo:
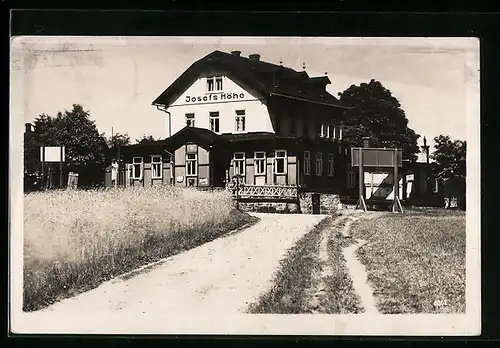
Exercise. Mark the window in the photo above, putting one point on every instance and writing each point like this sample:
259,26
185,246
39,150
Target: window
210,84
130,173
239,163
218,83
319,163
240,120
280,162
260,163
214,121
331,167
293,127
350,177
331,131
156,167
305,129
214,83
340,133
319,129
137,168
190,120
307,162
324,130
191,164
436,186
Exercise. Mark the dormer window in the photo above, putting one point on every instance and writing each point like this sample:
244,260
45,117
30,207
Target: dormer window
214,83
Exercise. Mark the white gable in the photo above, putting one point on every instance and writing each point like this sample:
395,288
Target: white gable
198,93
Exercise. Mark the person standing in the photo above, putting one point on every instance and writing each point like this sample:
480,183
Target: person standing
114,173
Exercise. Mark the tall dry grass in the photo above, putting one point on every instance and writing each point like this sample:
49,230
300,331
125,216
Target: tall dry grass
74,240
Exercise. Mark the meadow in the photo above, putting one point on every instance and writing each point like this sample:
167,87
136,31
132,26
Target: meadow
415,261
75,240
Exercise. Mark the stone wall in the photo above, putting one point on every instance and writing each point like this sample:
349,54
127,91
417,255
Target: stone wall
329,204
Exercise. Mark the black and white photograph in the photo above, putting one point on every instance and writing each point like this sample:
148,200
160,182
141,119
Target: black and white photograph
245,185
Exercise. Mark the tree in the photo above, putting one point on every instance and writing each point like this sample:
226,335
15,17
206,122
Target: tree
146,139
118,139
85,147
376,114
450,167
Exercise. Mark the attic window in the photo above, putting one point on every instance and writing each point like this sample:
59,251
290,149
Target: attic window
214,83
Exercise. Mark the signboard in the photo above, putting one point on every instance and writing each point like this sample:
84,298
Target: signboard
381,186
376,157
213,97
191,148
409,184
180,178
52,153
203,182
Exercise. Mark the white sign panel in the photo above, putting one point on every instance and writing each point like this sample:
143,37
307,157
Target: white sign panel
381,186
52,153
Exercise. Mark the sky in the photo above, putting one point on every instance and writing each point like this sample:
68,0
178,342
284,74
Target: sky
117,78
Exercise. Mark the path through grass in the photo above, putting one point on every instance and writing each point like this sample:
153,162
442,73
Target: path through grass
415,261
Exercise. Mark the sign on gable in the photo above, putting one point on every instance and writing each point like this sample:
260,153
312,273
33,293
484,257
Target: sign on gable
214,97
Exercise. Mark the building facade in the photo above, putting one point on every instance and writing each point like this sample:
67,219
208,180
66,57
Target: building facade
229,116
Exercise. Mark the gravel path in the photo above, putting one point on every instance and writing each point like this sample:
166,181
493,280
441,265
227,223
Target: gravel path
222,276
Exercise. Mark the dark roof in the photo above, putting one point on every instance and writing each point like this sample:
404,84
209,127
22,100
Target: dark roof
234,137
203,137
263,77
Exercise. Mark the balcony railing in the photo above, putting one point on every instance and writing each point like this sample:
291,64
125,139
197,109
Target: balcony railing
243,191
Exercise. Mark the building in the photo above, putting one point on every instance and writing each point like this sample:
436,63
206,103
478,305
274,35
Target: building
229,116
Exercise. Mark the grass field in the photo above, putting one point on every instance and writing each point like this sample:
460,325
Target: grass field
75,240
416,261
299,274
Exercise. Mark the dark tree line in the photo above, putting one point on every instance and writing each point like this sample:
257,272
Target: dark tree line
450,168
87,152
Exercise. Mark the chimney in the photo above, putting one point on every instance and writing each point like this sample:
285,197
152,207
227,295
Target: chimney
28,127
236,53
255,57
425,148
366,142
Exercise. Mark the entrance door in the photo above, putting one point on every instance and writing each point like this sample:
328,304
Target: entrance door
219,168
315,203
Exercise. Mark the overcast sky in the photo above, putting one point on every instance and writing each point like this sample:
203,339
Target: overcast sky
117,79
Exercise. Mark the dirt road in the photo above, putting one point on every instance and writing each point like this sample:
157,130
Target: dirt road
221,277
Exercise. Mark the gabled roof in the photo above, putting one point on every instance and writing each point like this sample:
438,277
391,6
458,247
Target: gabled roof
201,136
265,78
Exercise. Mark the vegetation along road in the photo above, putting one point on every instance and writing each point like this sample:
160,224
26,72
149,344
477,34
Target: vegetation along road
221,276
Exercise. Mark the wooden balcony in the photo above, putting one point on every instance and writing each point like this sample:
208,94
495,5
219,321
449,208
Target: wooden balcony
264,192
